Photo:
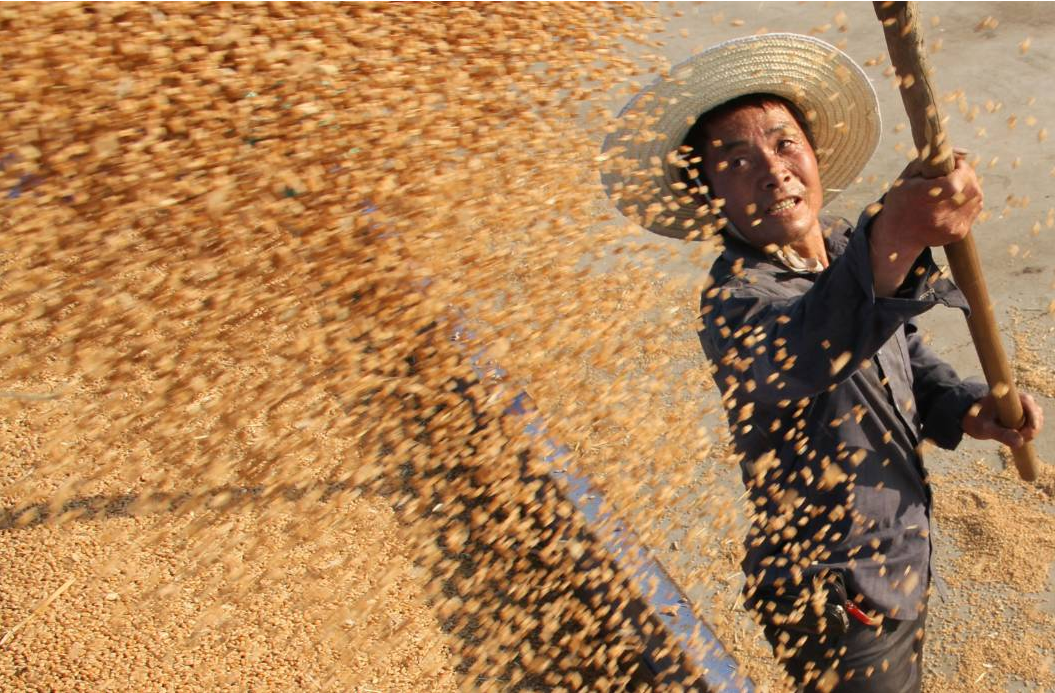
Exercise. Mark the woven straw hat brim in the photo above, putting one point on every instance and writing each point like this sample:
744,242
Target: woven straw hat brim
641,170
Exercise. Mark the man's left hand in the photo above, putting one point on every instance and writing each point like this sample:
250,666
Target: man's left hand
981,422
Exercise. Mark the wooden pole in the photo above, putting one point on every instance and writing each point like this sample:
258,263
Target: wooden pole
904,41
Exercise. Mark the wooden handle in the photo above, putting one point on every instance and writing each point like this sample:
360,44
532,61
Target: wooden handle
907,54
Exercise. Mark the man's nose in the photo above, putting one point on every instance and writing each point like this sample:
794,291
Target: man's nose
777,174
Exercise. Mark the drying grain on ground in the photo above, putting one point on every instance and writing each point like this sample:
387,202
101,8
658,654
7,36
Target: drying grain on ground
252,258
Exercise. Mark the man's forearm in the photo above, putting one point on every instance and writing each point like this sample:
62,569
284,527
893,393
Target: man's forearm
892,256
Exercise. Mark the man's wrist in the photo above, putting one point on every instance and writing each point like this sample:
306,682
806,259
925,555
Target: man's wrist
891,257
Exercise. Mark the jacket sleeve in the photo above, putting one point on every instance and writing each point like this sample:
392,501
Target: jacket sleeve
783,347
941,396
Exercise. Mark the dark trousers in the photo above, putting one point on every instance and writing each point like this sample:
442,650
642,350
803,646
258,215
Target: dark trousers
888,659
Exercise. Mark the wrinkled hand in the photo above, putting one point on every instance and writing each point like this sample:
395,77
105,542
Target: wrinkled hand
933,211
981,422
918,213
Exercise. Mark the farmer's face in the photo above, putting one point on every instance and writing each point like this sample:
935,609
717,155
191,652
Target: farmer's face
759,161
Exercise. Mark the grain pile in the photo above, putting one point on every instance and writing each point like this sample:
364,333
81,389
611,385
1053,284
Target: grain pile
237,242
241,447
996,614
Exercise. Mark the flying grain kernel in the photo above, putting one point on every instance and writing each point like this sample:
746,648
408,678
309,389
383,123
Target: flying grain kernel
840,361
987,23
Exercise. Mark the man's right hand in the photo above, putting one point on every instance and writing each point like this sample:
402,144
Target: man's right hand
918,213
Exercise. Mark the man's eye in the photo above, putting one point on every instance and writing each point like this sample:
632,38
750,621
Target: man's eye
784,144
738,162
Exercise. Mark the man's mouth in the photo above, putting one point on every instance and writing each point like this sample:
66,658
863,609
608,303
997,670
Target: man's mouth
782,205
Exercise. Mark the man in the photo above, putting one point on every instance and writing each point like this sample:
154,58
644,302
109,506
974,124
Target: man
809,324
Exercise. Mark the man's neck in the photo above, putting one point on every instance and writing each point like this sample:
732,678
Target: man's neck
812,247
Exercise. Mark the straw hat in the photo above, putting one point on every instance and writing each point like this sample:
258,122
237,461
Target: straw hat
641,162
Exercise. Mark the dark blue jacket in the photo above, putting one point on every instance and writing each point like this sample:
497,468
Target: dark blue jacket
829,391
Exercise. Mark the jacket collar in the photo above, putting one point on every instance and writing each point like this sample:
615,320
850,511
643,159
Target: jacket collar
835,239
